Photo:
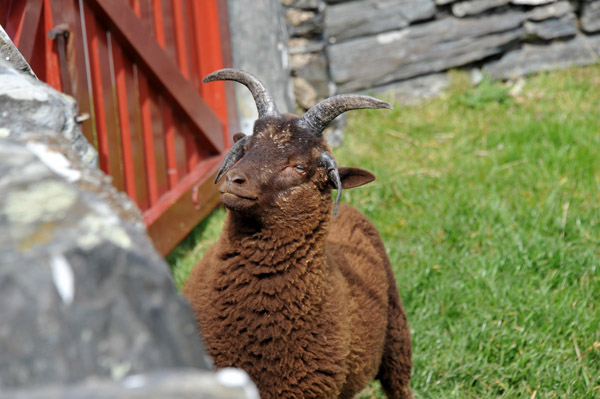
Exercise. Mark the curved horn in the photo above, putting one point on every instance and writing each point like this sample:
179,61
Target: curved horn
264,102
334,175
235,154
320,115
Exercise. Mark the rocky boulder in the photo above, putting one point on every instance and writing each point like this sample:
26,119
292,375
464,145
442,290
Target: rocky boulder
86,299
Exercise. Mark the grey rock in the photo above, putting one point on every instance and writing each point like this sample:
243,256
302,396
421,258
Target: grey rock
421,49
413,91
304,22
555,10
312,67
83,291
531,2
582,50
416,11
553,28
259,40
368,17
444,2
303,4
10,54
21,96
172,384
474,7
476,76
301,45
334,133
306,95
590,16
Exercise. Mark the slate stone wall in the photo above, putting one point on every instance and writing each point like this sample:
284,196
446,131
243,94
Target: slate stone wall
259,45
341,46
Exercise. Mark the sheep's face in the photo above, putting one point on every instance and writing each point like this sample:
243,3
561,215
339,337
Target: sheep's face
281,175
283,171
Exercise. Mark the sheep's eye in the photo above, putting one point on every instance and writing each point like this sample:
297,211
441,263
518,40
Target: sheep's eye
300,169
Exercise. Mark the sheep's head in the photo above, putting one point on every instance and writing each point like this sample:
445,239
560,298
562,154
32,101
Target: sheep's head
285,166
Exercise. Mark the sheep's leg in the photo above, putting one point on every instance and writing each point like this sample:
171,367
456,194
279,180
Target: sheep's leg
396,363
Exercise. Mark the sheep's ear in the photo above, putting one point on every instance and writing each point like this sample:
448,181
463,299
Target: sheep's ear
355,177
238,136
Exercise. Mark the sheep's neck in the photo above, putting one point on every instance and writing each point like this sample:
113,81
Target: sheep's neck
279,247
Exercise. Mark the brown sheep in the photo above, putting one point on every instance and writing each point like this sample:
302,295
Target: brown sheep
305,303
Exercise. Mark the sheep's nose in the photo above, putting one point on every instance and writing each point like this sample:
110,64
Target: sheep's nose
236,178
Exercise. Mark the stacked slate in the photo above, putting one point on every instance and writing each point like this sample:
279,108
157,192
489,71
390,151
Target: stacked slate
437,46
368,17
367,45
534,58
308,60
590,16
306,21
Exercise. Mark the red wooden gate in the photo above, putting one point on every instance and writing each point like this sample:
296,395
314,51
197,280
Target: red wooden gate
136,67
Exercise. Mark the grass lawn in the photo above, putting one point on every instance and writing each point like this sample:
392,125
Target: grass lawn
489,205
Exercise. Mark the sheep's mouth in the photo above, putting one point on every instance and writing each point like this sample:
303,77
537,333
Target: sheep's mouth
238,196
237,200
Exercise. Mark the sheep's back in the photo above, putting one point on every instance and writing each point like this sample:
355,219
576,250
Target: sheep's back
354,246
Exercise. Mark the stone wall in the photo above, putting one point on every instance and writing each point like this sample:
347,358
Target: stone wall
341,46
259,45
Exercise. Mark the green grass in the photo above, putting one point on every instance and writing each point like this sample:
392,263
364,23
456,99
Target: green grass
489,206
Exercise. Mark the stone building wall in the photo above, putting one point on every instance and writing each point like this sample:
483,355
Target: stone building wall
341,46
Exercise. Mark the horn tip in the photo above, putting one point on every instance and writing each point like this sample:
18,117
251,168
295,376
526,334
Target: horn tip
381,104
386,105
216,75
209,78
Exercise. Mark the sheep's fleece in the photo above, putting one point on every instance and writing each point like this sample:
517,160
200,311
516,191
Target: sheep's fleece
304,302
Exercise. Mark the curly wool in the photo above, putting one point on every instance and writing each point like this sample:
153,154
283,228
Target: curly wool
304,307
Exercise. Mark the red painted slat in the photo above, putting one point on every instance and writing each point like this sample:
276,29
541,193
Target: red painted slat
209,54
146,128
170,149
195,75
181,145
159,26
191,146
180,38
109,148
169,29
13,21
4,14
37,59
146,16
67,12
52,68
135,6
137,139
176,86
124,120
115,154
22,24
158,132
97,91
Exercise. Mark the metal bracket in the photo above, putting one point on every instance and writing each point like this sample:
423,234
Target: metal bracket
60,33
